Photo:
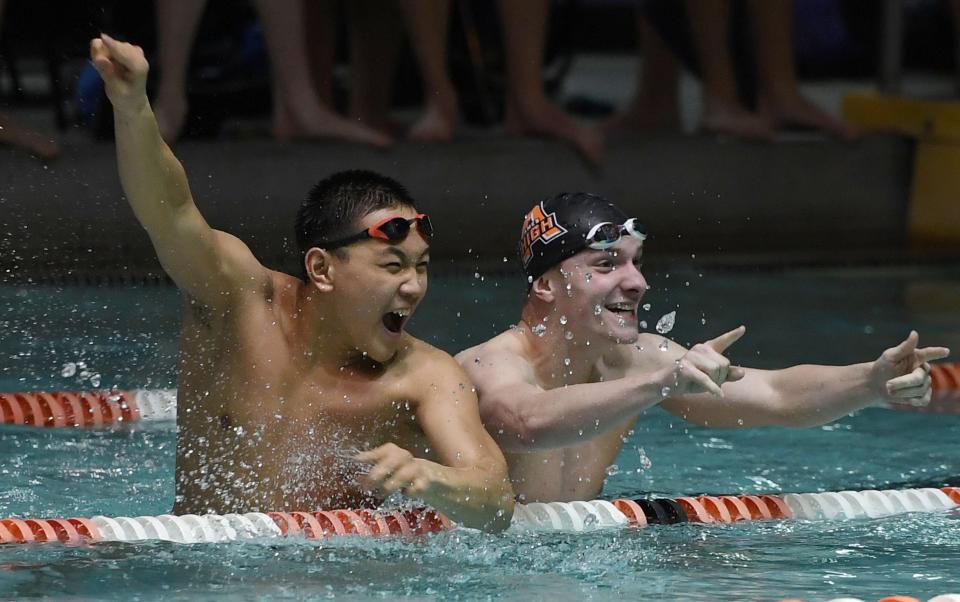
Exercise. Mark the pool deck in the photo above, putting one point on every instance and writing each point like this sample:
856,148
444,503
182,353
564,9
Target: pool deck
717,198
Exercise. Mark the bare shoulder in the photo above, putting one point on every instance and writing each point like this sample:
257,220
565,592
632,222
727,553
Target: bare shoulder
501,360
422,360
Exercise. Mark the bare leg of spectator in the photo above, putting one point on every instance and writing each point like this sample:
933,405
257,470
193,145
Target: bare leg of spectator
723,113
40,145
320,17
428,22
298,112
654,103
177,22
14,134
375,35
529,112
780,99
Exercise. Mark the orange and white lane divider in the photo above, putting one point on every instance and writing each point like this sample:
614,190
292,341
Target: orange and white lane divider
940,598
87,408
552,516
581,516
208,528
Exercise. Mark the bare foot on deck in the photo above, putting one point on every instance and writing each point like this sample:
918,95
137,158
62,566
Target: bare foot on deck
438,121
642,116
544,118
171,114
731,119
322,123
795,110
39,145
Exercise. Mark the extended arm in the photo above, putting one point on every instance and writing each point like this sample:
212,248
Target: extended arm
810,395
203,262
470,483
525,417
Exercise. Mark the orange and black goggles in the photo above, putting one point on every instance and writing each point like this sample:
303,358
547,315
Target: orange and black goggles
391,230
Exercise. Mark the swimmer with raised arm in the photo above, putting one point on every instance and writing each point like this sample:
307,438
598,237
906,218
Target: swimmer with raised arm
305,395
561,390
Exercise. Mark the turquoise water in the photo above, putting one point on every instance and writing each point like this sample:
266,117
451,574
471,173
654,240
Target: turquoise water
127,337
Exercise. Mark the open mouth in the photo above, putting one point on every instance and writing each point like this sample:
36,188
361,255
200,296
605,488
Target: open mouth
626,311
393,321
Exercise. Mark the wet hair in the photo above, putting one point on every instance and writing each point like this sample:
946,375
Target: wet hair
336,205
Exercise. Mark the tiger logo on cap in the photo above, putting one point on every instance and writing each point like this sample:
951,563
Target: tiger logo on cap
538,226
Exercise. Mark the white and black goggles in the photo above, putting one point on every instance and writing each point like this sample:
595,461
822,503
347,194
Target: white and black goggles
606,234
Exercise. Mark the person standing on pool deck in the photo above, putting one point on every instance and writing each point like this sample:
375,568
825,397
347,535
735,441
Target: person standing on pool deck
284,381
561,390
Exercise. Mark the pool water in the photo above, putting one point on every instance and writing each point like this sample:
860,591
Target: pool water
67,338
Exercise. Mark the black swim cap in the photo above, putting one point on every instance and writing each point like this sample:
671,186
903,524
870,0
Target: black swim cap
556,228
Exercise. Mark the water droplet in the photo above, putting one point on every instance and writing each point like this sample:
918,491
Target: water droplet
69,369
563,319
568,335
740,421
665,323
569,289
663,345
645,462
665,392
476,360
597,309
703,320
566,361
529,279
646,307
476,275
346,398
539,330
612,470
588,276
643,323
95,380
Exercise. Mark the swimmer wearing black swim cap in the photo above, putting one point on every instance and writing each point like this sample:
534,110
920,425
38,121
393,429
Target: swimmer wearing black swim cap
563,225
561,390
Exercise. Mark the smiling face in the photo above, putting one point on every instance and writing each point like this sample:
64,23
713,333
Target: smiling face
377,286
599,292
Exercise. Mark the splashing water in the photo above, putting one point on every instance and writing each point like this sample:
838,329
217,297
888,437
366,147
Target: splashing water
665,323
645,462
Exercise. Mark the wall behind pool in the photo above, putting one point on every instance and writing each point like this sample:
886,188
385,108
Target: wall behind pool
698,195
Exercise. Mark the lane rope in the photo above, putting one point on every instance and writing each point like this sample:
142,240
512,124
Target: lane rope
87,408
552,516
